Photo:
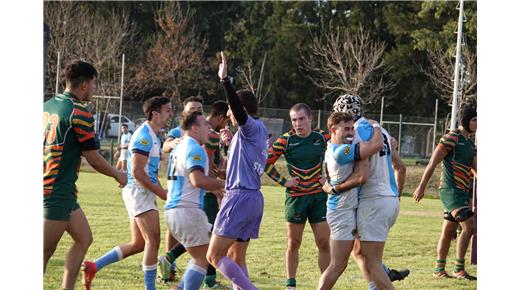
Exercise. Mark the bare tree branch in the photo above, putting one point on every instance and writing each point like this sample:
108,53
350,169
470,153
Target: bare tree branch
345,62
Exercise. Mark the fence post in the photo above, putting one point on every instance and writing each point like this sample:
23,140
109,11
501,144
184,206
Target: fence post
381,113
319,119
400,127
435,124
112,152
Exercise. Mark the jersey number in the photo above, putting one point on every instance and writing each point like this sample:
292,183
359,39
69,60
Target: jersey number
50,122
386,147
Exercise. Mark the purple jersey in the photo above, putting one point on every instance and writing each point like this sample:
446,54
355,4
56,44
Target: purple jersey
247,156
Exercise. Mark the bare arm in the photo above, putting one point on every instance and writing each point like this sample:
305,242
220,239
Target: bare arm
399,171
198,179
366,149
169,144
357,178
138,163
101,165
438,155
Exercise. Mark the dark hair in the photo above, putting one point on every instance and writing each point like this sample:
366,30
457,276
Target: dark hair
77,72
301,106
248,100
218,108
189,120
337,117
467,113
192,99
154,105
124,125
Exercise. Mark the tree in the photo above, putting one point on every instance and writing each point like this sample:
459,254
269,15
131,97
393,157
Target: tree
247,77
78,31
347,63
442,69
175,62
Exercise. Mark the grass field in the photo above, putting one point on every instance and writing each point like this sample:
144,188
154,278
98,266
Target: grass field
411,244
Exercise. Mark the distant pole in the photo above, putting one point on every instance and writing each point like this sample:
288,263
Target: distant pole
435,124
319,119
381,113
121,97
57,75
454,107
400,127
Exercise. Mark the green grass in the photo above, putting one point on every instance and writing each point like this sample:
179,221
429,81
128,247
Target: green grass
411,244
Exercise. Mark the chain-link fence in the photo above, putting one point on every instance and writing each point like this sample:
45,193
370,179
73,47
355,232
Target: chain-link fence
415,140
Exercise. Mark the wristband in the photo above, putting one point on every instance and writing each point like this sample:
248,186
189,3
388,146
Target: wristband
334,190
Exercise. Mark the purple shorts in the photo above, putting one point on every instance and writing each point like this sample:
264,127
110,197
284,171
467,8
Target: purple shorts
240,215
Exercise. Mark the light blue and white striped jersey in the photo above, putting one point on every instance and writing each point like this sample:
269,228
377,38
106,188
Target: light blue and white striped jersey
340,164
144,141
188,155
381,180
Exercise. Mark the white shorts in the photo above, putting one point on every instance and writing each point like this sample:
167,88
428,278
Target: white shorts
375,217
342,223
123,156
189,226
138,200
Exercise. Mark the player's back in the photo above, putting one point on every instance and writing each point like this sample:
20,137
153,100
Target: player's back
247,156
381,180
66,123
188,155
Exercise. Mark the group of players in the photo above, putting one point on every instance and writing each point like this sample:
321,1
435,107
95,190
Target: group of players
214,205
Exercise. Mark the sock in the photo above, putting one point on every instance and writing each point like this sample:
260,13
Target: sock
459,265
234,273
387,270
150,273
210,280
110,257
193,277
441,264
211,276
291,282
176,252
372,286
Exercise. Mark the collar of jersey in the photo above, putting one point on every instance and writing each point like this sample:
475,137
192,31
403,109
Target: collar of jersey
70,95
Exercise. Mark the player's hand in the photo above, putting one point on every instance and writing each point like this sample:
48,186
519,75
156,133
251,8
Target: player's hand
226,136
372,122
418,194
121,178
174,143
327,188
163,194
222,69
292,182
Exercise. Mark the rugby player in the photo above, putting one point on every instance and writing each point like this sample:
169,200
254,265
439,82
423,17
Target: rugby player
459,157
303,148
139,196
68,134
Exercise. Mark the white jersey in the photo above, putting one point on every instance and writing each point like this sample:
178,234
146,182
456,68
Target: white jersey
381,180
340,164
187,156
125,139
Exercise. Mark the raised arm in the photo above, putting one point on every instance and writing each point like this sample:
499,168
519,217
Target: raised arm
234,102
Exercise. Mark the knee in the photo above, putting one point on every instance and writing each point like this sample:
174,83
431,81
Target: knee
49,251
213,257
153,239
293,245
323,244
84,242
